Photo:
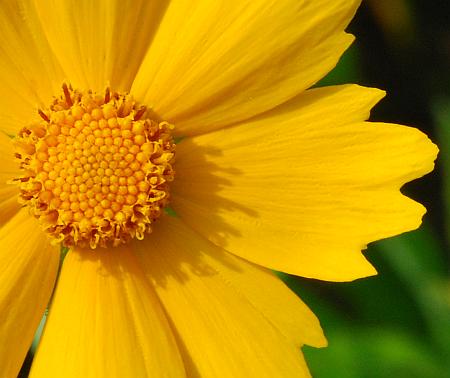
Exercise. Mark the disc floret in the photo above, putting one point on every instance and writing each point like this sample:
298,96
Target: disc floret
96,169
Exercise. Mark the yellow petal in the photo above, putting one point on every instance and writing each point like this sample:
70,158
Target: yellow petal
266,292
29,72
8,170
214,63
226,327
105,321
100,42
305,188
29,267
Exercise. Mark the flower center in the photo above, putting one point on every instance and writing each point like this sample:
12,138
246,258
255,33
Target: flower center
95,169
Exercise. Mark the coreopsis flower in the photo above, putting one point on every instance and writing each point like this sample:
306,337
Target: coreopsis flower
168,269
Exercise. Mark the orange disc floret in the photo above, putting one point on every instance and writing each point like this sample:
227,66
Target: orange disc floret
96,169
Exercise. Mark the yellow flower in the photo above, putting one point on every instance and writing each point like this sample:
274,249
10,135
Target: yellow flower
268,174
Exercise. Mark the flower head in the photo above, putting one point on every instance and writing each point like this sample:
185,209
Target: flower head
167,272
95,170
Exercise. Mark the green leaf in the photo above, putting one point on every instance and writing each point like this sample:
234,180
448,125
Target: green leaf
356,352
348,70
417,258
441,115
178,139
171,212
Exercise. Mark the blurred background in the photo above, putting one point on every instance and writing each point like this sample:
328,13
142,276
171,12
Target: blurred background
396,324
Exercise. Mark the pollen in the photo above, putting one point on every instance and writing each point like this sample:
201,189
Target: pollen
96,169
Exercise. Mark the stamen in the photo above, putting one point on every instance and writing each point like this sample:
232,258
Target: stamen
140,113
107,95
43,115
67,94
